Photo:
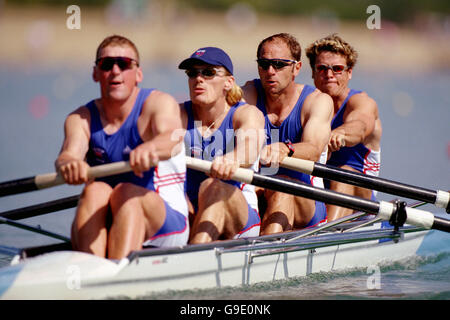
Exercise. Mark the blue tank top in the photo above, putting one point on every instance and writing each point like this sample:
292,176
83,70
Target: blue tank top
290,129
219,143
352,156
107,148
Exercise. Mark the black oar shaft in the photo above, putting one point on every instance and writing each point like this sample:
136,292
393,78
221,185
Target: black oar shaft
374,183
17,186
439,198
397,213
53,179
383,209
42,208
441,224
33,229
318,194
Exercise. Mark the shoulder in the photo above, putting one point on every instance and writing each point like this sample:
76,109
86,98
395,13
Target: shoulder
160,96
248,112
361,97
159,101
362,101
79,119
248,109
250,93
318,100
183,114
82,113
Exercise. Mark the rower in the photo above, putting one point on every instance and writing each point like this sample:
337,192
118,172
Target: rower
356,127
230,133
297,122
118,214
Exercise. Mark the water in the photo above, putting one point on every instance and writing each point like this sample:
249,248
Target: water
412,278
414,109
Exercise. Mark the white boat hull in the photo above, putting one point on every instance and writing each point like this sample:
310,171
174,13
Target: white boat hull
76,275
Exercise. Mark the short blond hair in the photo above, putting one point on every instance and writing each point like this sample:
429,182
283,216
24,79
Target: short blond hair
332,43
117,40
234,95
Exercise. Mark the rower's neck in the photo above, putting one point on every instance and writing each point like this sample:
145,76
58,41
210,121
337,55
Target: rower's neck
116,111
211,116
113,113
276,103
339,99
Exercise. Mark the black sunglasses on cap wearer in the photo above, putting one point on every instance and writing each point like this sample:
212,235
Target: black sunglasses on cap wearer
275,63
204,72
107,63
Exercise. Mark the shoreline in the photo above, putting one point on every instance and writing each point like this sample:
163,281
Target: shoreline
39,36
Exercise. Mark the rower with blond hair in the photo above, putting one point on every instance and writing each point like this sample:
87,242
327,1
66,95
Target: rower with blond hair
222,129
356,127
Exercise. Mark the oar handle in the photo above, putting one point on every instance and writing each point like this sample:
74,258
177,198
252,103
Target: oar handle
241,174
48,180
295,164
104,170
109,169
53,179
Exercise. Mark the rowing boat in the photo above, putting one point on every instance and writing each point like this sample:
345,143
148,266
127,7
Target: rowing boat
355,241
334,246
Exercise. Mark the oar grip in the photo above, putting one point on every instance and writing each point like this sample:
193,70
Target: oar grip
305,166
53,179
241,174
48,180
109,169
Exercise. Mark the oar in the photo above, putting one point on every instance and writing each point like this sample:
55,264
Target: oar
54,179
439,198
384,210
33,229
42,208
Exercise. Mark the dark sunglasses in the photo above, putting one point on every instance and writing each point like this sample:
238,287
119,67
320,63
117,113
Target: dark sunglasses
107,63
275,63
205,72
337,68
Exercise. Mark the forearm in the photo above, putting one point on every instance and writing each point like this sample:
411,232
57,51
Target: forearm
66,157
351,132
307,151
164,145
248,147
